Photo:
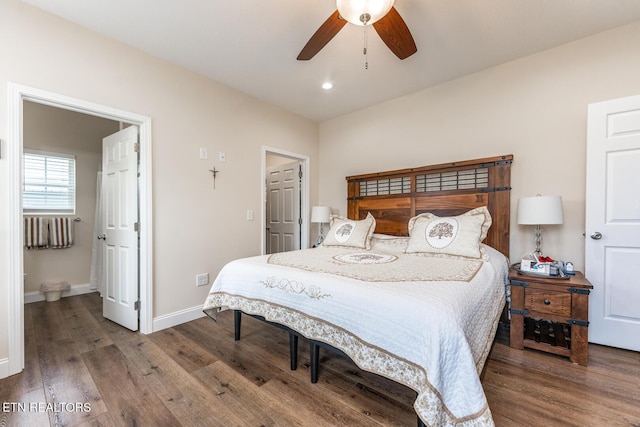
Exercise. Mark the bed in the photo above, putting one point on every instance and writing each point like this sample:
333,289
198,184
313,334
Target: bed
415,291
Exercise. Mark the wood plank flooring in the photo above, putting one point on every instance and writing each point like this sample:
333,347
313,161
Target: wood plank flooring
100,374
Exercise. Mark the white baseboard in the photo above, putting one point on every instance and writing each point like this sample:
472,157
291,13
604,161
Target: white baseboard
30,297
177,318
4,368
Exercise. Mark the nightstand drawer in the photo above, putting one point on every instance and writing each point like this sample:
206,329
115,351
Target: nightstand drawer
548,302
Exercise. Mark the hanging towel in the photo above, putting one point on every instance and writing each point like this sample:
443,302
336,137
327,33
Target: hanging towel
60,233
36,233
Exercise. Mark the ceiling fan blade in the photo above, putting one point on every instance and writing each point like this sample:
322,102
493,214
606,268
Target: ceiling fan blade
322,36
395,34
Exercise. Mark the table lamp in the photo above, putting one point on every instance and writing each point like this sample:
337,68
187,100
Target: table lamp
320,215
539,210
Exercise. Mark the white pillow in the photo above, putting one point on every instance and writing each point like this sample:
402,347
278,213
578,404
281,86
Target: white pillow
454,235
350,233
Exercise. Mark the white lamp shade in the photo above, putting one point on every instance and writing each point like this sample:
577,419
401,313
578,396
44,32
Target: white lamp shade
540,210
320,214
352,10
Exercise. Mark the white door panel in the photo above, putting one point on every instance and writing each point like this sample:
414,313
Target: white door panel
612,262
120,170
622,266
274,243
289,214
289,242
622,167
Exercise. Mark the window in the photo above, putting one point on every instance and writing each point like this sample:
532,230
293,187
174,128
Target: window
49,183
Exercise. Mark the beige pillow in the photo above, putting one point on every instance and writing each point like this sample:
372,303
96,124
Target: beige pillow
350,233
389,244
457,235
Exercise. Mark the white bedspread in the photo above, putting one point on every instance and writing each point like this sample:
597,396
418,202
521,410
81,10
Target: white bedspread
432,336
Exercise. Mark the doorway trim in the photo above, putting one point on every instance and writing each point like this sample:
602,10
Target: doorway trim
304,161
16,94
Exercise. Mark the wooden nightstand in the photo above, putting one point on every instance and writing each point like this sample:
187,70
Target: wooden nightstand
551,315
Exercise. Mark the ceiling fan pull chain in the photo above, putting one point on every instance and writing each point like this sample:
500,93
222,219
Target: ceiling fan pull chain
364,50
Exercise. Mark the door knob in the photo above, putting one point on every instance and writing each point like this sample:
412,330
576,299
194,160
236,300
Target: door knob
596,235
102,237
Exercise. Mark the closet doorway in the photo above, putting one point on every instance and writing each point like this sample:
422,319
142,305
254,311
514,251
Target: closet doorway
19,95
284,219
285,201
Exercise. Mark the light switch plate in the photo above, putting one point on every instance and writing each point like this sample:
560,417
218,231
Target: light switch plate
202,279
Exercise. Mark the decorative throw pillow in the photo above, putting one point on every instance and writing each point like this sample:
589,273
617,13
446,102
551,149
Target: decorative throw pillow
457,235
350,233
389,244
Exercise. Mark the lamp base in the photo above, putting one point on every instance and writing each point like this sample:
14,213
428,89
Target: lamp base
320,236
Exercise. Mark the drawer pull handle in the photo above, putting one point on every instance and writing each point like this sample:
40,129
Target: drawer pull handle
547,302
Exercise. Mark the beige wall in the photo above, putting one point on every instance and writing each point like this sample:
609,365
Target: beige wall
63,131
534,108
196,229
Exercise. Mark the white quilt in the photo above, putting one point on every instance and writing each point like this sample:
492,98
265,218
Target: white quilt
432,336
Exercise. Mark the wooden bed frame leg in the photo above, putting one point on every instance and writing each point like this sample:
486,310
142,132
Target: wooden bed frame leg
237,322
315,360
293,350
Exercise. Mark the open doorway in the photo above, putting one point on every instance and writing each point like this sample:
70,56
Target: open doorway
285,203
50,133
17,95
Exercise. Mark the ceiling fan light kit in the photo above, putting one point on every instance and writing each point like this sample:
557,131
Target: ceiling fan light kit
380,14
364,12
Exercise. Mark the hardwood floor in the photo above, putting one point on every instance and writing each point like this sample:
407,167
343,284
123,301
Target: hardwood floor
100,374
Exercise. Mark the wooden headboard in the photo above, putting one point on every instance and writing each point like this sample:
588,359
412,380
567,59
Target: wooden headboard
447,189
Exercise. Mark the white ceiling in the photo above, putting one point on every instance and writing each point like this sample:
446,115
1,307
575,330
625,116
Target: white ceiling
251,45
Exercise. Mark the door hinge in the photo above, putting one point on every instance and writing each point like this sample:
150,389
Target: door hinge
299,221
136,227
136,305
136,147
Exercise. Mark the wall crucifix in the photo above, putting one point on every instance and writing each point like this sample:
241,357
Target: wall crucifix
214,172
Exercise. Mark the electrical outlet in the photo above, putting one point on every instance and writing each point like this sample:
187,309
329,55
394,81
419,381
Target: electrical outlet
250,215
203,154
202,279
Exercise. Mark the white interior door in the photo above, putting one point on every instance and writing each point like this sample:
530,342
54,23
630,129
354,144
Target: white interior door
120,203
612,261
283,208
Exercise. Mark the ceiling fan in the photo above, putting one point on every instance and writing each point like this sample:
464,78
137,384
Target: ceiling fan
380,13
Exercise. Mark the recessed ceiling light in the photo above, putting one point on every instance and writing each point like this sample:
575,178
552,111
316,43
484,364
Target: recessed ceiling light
327,85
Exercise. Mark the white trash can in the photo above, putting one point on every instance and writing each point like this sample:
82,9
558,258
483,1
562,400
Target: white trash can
53,290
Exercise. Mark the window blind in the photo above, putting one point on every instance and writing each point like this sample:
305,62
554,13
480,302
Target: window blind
49,183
